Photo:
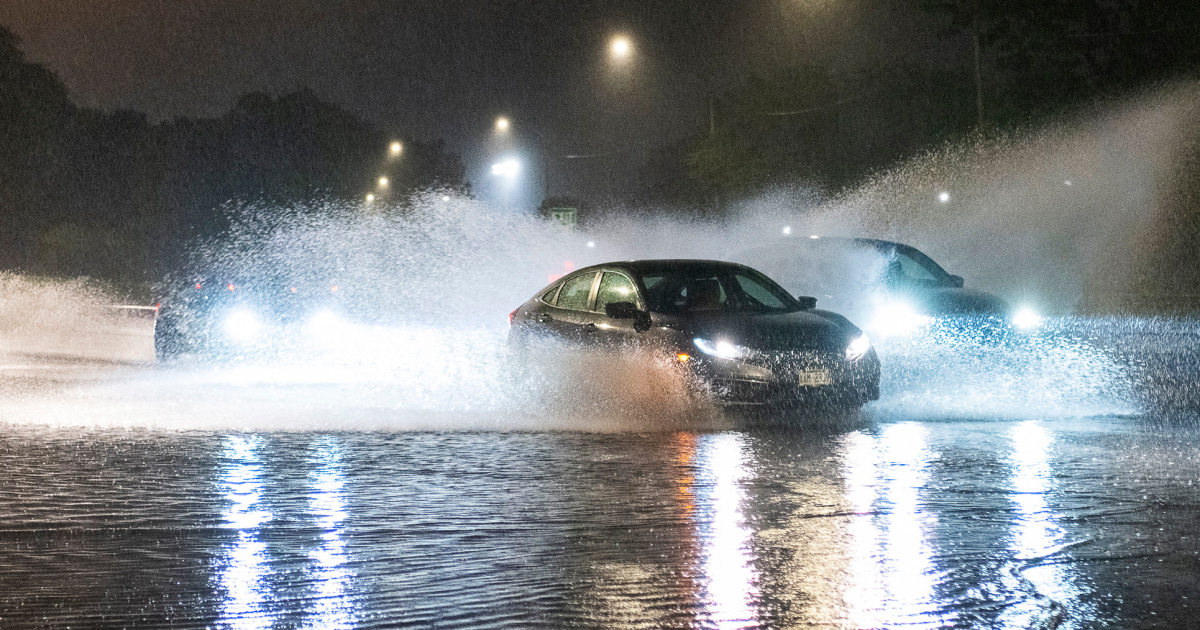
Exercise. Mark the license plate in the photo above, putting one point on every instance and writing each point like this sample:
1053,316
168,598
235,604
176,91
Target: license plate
815,378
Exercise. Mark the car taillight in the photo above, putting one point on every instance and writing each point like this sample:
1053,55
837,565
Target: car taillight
512,315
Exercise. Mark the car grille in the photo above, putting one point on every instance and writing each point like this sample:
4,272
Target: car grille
792,361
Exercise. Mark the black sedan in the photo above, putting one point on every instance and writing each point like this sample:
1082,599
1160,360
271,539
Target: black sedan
736,331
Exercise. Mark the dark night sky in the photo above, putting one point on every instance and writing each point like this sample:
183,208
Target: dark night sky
428,69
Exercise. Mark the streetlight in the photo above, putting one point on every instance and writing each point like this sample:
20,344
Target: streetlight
383,182
620,48
944,197
501,125
370,197
395,149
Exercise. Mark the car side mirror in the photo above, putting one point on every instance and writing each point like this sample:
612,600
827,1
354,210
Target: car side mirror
621,310
628,310
807,302
957,281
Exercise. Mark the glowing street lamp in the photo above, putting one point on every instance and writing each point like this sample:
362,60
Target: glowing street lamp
501,125
370,197
383,182
620,48
395,149
944,197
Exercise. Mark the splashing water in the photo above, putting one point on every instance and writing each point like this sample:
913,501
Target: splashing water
435,281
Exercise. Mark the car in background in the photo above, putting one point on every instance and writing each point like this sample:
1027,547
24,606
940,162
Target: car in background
734,330
890,288
236,317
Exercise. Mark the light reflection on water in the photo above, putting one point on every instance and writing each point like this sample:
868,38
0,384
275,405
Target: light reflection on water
730,591
892,573
243,571
331,576
1037,536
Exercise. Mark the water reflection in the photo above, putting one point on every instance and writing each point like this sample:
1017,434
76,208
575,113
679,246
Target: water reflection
329,570
1037,534
730,579
865,595
893,577
243,571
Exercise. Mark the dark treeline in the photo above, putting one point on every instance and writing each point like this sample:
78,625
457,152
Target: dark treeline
1035,60
112,195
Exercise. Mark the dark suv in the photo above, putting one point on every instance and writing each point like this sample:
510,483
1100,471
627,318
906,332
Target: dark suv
889,288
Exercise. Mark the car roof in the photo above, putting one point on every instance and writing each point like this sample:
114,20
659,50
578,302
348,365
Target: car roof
798,243
681,264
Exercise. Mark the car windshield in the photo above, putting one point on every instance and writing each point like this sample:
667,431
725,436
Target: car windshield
714,289
909,266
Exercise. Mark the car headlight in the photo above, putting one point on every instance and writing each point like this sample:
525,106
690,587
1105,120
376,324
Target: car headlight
898,318
858,347
243,326
721,349
1026,319
326,326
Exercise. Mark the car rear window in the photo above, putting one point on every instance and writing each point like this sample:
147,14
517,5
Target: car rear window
575,292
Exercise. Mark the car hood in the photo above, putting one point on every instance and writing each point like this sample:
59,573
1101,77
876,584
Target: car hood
956,301
799,330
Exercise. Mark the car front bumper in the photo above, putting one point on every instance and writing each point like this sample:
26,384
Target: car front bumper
791,380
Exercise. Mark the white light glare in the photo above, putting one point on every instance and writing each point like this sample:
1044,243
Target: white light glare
242,326
858,347
507,168
722,349
943,196
591,243
898,318
1026,319
787,230
620,47
814,237
327,326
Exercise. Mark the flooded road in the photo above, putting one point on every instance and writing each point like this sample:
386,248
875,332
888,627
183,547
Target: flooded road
1057,486
890,522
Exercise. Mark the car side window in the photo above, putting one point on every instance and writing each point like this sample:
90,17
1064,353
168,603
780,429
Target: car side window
575,292
548,296
615,287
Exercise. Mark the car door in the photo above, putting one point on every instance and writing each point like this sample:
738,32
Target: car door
569,319
614,286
